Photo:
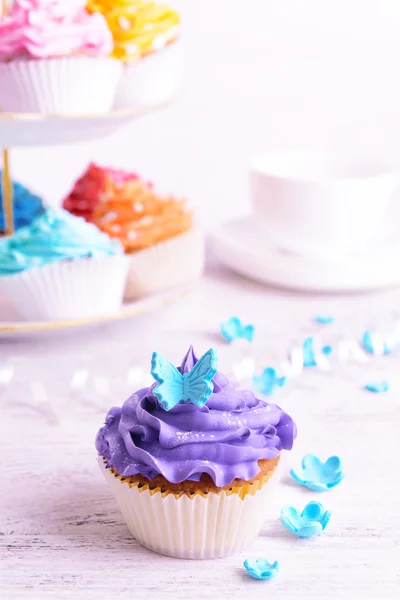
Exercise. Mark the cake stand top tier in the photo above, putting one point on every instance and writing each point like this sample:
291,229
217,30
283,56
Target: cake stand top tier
35,129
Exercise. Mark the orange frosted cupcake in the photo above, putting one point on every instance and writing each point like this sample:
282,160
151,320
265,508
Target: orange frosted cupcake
147,40
158,233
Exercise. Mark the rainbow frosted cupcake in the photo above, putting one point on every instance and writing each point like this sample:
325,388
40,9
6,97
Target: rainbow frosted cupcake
147,42
55,59
61,267
158,233
96,184
190,459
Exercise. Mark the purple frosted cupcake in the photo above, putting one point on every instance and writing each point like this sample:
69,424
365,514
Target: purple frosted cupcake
188,459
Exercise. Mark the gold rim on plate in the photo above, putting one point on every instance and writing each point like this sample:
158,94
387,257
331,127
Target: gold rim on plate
113,114
136,308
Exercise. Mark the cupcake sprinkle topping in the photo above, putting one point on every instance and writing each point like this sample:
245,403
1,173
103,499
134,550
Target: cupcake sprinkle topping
139,28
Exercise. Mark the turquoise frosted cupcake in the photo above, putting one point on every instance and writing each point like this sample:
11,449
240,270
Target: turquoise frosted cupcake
27,206
61,267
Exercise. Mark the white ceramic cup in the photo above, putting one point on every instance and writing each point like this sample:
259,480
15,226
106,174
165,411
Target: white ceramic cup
321,204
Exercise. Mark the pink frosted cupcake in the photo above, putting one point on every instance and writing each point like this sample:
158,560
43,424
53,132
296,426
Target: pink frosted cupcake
55,59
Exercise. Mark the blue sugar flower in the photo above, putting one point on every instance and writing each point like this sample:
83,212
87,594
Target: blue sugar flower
309,354
324,319
268,381
312,521
261,568
234,329
378,386
316,475
368,343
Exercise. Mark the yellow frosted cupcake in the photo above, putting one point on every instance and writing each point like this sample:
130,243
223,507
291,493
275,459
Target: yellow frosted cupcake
147,41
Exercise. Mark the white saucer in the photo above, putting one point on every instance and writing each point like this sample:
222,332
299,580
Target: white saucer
243,246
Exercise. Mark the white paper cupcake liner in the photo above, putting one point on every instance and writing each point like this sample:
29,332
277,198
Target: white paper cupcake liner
199,527
80,288
78,85
166,264
152,80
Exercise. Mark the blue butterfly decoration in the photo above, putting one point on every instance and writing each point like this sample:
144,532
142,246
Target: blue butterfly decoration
175,388
268,381
324,319
368,343
234,329
309,352
378,386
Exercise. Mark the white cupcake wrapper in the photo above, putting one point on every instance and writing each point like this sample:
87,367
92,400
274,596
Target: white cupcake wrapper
166,264
212,527
152,80
78,85
79,288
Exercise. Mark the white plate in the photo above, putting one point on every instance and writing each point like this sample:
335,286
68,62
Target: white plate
11,324
20,129
243,246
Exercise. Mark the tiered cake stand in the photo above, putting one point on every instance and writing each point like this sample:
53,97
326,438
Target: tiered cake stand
37,129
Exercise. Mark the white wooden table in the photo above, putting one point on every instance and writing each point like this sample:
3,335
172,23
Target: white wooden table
61,535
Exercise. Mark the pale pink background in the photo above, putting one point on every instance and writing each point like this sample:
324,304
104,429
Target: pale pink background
259,75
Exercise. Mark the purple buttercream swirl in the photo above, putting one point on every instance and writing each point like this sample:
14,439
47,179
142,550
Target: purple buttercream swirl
225,438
